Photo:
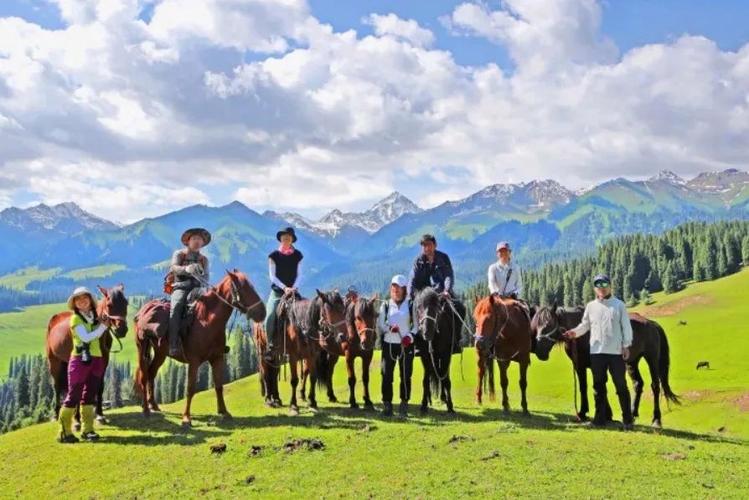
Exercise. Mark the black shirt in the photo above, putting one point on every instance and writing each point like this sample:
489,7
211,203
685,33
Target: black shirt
437,274
287,266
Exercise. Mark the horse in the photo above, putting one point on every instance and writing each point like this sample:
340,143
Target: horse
308,326
206,340
361,318
649,341
438,324
504,328
268,369
60,344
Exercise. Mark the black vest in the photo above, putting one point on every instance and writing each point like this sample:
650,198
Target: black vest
286,266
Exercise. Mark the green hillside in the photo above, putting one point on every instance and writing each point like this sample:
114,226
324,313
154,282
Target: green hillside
702,452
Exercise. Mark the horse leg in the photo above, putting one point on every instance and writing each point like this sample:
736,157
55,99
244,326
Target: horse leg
329,378
447,390
655,385
523,387
305,374
351,381
426,396
294,368
59,372
217,370
100,396
504,382
482,372
582,380
637,383
153,369
366,362
192,378
312,396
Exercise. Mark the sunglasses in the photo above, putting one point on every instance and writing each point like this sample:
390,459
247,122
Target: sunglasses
601,284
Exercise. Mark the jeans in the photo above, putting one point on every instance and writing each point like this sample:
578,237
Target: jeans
271,319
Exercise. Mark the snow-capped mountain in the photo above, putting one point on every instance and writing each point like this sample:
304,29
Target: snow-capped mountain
726,181
67,218
382,213
527,197
668,177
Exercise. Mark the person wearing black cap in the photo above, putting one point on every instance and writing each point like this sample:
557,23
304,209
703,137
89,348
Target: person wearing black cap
433,269
607,321
285,273
189,270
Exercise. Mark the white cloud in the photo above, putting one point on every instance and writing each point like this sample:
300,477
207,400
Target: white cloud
408,30
192,103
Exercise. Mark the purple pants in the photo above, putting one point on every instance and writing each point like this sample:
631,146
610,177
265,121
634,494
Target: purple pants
83,381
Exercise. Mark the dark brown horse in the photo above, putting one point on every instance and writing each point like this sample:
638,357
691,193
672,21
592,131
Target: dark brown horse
648,341
269,369
505,332
361,318
206,340
309,327
438,324
60,343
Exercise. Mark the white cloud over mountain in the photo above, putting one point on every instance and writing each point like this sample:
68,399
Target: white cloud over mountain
203,101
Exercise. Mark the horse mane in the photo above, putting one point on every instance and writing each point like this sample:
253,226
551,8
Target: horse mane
314,313
364,308
426,297
484,306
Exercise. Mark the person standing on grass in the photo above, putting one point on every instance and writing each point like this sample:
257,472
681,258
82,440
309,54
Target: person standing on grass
86,366
396,330
607,321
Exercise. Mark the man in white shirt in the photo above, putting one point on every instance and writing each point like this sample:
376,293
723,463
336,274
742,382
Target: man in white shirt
505,278
607,321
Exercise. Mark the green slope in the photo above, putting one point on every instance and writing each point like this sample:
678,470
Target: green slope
492,454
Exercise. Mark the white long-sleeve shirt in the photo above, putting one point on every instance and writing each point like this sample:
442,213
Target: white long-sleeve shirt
94,334
608,323
396,315
274,279
498,282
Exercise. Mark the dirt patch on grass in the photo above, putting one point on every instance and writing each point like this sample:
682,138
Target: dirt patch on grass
677,306
743,402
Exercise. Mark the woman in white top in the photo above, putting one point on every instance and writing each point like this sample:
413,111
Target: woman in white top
396,330
504,277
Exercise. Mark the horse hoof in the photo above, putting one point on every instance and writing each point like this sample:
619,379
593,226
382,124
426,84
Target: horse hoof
333,399
146,413
226,416
451,411
369,406
186,424
294,411
102,419
353,406
526,413
506,410
423,410
657,424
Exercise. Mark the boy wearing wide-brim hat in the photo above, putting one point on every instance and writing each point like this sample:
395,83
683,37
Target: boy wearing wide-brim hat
190,270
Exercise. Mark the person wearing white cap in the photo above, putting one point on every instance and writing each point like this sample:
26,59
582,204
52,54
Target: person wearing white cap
505,277
396,329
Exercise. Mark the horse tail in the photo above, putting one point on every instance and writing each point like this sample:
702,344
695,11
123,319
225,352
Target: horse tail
664,363
323,369
144,361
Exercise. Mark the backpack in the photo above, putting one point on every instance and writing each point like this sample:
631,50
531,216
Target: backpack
170,277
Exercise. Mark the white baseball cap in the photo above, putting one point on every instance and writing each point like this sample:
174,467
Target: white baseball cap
399,280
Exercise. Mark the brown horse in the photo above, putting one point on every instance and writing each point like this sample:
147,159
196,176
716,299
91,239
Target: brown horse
504,328
309,326
206,340
361,318
269,369
60,343
648,341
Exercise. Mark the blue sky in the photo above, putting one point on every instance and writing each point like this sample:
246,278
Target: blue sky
273,105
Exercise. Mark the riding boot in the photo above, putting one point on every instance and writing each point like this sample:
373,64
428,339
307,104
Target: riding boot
66,425
87,415
175,343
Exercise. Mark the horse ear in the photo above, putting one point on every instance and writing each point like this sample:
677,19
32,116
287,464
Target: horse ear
236,270
555,306
122,285
103,290
375,296
320,294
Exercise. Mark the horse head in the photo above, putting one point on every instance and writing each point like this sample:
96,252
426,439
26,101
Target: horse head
490,315
546,326
365,318
331,314
428,308
114,304
239,291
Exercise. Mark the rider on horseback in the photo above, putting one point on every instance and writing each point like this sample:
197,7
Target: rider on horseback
505,279
433,269
285,272
190,271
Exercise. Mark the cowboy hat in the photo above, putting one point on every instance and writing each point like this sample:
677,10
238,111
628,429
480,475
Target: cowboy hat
203,233
288,230
78,292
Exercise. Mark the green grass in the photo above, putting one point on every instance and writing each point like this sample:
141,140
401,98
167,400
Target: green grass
19,280
495,454
94,272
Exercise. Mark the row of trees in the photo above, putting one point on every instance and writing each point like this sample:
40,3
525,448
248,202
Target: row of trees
640,265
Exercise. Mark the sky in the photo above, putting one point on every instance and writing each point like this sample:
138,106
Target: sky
132,108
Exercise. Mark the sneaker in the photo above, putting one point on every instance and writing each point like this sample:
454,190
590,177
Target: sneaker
67,439
90,436
388,410
403,409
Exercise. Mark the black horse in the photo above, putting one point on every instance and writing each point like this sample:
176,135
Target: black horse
438,325
648,341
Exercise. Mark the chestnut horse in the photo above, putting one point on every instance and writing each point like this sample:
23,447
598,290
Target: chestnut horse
206,340
308,326
504,328
648,341
361,318
60,343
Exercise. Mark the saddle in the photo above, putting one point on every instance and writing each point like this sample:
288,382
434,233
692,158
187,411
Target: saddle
153,319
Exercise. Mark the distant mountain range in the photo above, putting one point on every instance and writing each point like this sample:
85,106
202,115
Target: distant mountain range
543,219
